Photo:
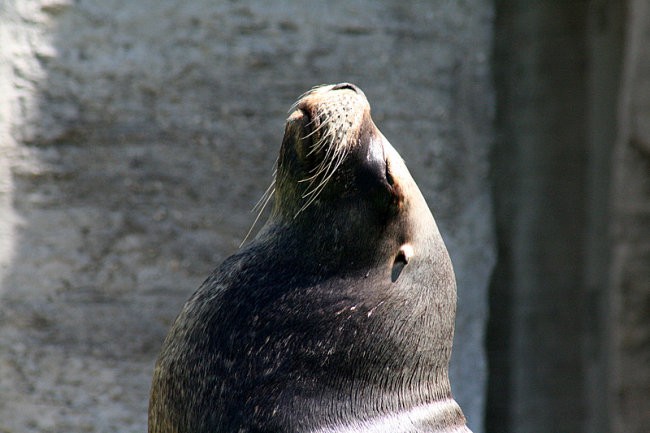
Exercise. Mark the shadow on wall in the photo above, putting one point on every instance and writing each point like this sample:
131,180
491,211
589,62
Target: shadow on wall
569,334
143,133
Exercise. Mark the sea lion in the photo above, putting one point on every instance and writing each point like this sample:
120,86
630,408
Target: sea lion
339,315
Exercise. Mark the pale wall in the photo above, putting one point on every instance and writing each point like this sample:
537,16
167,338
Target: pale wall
140,134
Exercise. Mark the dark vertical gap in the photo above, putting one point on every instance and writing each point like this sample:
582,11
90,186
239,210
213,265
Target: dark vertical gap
498,338
539,178
606,45
500,290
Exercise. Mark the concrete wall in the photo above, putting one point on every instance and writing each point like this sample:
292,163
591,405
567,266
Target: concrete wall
629,348
136,137
539,173
569,333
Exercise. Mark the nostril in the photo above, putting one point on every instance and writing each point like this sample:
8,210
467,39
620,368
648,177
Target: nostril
348,86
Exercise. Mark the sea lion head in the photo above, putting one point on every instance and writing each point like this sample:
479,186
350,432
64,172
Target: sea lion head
341,181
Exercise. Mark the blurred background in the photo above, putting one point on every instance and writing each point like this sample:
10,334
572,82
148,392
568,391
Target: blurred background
135,138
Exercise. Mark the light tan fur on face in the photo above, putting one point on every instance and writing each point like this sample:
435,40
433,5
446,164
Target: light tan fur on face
335,120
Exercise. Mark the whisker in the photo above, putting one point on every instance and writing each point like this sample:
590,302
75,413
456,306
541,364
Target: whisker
259,214
264,195
332,167
324,123
336,129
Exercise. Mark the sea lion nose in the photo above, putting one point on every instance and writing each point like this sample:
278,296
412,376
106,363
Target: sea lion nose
349,86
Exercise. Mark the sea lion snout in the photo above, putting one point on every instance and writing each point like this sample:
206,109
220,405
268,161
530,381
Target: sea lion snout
330,131
348,86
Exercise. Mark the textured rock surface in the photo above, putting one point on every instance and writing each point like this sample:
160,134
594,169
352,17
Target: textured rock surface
138,135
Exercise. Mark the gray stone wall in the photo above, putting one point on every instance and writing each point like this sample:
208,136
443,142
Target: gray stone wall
136,137
569,332
539,174
629,348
